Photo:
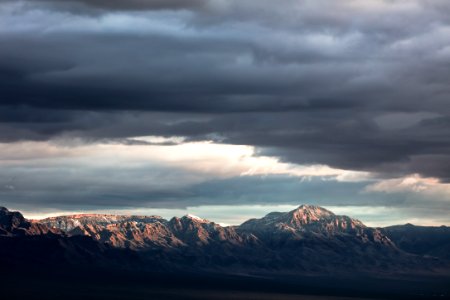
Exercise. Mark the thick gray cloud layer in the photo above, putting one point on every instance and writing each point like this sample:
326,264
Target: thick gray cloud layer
86,6
361,85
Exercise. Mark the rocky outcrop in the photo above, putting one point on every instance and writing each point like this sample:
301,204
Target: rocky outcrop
12,223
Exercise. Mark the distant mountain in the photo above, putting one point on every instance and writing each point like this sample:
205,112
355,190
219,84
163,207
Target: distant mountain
30,244
421,240
313,222
316,239
307,240
145,232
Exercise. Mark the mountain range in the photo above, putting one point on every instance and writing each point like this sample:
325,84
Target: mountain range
307,240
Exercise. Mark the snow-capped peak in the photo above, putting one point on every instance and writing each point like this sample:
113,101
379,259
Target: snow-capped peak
194,217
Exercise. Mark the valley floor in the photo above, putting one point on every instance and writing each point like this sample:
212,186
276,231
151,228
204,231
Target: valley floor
64,284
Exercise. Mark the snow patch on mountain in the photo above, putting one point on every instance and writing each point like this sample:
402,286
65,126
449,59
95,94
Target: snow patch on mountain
194,217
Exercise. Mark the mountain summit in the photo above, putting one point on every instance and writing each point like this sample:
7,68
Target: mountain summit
297,218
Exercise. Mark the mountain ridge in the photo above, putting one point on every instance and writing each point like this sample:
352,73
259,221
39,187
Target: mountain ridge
305,218
308,239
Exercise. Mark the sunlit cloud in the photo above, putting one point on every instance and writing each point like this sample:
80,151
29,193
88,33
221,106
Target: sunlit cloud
219,160
413,183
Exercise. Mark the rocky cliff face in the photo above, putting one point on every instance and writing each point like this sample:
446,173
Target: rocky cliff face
134,232
146,232
12,223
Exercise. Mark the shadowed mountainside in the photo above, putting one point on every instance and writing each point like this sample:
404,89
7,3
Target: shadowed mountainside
421,240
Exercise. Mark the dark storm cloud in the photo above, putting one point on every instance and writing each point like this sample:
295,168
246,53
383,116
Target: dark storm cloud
142,4
74,5
59,188
361,86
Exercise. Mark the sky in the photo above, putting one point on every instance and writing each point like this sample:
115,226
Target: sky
228,109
